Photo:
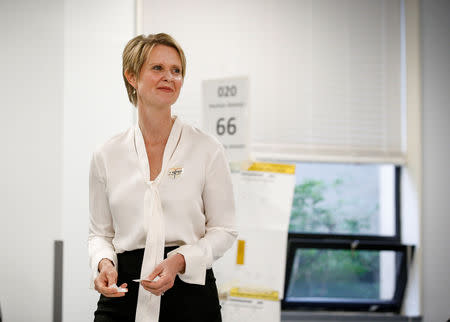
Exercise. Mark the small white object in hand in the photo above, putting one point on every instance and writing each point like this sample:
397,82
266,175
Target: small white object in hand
119,289
140,280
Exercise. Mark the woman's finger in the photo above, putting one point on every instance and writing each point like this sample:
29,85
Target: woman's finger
155,292
111,275
153,285
112,291
100,283
159,287
156,272
162,285
117,294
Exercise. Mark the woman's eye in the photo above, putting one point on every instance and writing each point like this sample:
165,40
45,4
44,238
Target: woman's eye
157,67
176,71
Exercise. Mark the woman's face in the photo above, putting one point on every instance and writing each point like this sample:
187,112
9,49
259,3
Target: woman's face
160,79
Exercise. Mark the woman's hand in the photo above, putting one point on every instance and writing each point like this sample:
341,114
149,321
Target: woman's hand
167,271
105,281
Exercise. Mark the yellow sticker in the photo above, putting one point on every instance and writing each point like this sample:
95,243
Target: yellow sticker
240,252
254,293
272,167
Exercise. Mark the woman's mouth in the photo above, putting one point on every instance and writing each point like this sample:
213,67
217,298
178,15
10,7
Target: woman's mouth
165,89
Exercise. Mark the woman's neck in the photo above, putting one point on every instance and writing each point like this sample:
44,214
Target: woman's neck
155,124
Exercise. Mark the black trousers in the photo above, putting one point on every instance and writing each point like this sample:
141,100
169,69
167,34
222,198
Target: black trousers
184,302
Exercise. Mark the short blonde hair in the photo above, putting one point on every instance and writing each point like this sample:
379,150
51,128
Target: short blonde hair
136,52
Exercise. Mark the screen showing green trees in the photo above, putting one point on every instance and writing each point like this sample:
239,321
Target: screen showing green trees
333,273
342,199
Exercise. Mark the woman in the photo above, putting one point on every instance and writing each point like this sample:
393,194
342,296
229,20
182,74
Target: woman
161,201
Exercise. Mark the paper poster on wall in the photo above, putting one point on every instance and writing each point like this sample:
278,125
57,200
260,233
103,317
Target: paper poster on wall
226,115
238,308
264,196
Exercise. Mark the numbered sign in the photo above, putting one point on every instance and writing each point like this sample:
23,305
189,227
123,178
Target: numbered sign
226,114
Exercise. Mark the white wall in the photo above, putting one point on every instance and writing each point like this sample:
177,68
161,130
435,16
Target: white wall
435,29
31,56
95,108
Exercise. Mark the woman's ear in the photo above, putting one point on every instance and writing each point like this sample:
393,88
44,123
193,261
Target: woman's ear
131,78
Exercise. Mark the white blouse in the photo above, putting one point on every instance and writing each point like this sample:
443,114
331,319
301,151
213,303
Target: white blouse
191,200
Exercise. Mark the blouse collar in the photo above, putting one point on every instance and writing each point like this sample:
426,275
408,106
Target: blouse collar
171,145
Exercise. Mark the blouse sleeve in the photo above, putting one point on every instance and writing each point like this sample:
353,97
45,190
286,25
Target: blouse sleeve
101,229
220,230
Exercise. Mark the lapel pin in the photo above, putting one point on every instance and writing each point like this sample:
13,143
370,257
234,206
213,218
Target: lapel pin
175,172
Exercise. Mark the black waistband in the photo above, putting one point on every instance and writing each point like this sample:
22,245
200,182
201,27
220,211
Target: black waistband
130,262
140,253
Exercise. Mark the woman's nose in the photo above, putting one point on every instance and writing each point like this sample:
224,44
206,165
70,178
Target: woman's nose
168,75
